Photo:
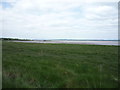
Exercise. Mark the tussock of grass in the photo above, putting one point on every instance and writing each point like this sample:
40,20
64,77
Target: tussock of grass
28,65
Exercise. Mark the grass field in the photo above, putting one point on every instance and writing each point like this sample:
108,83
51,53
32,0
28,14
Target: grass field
32,65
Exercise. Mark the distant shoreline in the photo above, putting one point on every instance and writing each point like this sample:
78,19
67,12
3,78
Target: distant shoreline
17,39
115,43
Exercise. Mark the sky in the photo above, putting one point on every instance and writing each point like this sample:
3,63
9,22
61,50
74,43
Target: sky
59,19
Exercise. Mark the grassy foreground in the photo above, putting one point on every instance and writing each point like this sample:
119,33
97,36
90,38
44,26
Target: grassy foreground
32,65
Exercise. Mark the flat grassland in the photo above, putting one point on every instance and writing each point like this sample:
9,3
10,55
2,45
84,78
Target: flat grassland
35,65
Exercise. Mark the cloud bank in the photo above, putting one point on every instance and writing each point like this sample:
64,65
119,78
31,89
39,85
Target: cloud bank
59,19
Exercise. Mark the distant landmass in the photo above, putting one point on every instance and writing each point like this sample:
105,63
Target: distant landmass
16,39
58,39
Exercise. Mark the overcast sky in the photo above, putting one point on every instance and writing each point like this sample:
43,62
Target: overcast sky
59,19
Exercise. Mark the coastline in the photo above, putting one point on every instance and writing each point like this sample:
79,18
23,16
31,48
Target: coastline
115,43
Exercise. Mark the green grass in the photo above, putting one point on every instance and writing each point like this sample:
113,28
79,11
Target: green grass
32,65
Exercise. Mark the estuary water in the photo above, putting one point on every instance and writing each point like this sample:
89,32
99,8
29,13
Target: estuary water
116,43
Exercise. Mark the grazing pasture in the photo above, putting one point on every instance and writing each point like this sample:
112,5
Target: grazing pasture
36,65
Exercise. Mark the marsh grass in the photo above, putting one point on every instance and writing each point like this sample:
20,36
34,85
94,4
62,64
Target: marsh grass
32,65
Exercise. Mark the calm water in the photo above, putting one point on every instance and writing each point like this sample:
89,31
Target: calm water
77,42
